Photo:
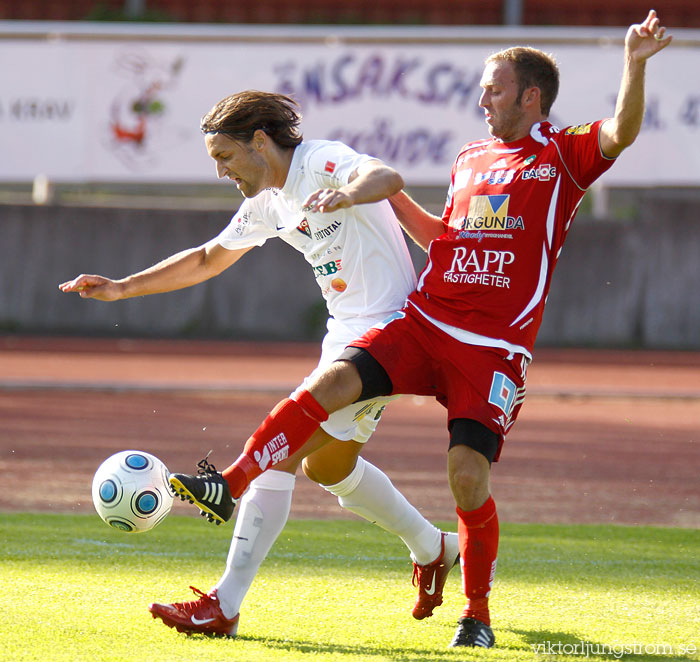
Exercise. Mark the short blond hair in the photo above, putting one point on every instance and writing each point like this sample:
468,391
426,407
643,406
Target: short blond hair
533,68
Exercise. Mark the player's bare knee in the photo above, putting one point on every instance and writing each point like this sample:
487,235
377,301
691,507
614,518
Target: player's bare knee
319,470
314,469
322,474
308,469
472,449
466,478
469,489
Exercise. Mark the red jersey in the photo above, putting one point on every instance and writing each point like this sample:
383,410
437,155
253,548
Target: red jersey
508,211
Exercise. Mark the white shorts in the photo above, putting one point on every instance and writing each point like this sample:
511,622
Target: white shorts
358,421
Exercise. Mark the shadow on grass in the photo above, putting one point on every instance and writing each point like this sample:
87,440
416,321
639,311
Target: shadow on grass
553,645
357,652
536,644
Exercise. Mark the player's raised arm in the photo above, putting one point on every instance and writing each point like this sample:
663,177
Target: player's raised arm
419,224
642,41
181,270
371,182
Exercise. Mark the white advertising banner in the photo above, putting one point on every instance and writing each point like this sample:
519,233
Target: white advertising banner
94,103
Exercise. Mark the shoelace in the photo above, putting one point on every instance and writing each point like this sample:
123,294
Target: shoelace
417,569
204,468
189,607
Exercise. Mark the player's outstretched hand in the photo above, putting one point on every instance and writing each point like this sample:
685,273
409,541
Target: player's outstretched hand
93,287
646,39
326,200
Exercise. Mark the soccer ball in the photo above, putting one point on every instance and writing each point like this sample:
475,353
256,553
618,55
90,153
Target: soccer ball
130,491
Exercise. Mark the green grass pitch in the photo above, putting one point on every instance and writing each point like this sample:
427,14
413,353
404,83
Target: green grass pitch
74,591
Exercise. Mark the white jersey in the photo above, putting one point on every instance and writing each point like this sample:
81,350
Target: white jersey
358,255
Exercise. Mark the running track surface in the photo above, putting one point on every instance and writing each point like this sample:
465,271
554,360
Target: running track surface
603,436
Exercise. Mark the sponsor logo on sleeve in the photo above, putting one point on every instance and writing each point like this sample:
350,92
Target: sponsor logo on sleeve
579,130
329,167
242,222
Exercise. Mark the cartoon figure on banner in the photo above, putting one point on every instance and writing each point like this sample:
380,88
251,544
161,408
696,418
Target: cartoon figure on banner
137,113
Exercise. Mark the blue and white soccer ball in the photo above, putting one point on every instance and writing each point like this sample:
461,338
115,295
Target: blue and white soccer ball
130,491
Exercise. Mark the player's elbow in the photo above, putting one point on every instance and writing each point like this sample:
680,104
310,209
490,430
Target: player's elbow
396,182
208,263
618,136
389,180
392,181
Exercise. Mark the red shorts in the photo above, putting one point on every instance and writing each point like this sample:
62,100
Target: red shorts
480,383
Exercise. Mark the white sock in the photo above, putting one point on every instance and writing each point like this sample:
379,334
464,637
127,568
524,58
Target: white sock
369,493
262,514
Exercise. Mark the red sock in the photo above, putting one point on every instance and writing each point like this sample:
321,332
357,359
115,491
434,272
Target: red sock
285,430
478,547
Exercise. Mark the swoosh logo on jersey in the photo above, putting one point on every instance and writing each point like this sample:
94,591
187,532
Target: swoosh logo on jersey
201,621
431,590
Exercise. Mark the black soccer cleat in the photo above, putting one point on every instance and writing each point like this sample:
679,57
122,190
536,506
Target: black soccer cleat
473,633
207,490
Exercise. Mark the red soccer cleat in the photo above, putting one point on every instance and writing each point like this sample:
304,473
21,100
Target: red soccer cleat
430,579
202,616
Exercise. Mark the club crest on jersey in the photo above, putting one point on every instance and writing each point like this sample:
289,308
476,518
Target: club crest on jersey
489,213
304,228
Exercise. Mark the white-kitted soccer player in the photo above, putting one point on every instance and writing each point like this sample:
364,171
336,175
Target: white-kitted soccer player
329,203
